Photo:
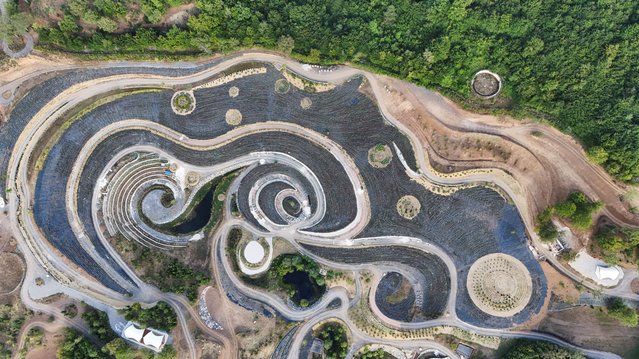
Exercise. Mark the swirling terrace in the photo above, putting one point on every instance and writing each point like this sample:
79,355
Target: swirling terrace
96,177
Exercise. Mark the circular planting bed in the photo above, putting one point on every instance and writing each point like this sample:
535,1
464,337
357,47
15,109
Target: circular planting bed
395,297
380,156
292,206
183,102
306,103
192,179
486,84
408,207
234,91
12,269
253,253
233,117
282,86
499,284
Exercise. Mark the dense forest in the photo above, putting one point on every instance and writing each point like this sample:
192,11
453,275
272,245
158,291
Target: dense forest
572,62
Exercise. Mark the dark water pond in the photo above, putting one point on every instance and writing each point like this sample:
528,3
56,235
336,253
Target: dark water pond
304,287
199,217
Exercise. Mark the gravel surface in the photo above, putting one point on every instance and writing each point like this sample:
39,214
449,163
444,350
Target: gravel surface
467,225
435,285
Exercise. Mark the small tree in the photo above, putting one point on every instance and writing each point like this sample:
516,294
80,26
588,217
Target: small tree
16,24
598,155
286,44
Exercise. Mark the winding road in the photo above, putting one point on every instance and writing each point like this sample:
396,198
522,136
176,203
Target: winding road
41,259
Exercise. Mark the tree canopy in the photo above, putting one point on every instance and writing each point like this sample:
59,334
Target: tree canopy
335,340
530,349
572,62
622,312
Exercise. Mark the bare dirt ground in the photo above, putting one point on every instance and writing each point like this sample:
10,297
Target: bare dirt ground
548,164
257,335
52,337
23,66
12,268
560,286
592,328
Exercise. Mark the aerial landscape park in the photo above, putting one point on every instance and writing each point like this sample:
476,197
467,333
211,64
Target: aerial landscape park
319,179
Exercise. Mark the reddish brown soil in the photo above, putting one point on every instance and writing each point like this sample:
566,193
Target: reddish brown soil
548,164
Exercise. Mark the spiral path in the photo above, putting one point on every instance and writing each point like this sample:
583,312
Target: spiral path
297,167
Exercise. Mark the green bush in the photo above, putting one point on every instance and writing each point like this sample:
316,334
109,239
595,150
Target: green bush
98,322
623,313
545,228
161,316
374,354
578,209
76,346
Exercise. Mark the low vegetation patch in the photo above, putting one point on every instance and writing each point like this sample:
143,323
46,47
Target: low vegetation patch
622,312
170,274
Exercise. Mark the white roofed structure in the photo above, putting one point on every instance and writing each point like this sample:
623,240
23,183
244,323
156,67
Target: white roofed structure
154,340
147,337
134,333
611,273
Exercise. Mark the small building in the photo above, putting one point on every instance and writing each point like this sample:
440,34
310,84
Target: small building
464,350
147,337
317,349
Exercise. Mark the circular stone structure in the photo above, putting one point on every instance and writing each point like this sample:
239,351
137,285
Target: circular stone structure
234,91
233,117
292,206
183,102
408,207
282,86
306,103
12,269
499,285
254,252
380,156
192,178
486,84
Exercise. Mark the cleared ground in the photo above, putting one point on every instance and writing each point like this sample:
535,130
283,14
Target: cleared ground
591,328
